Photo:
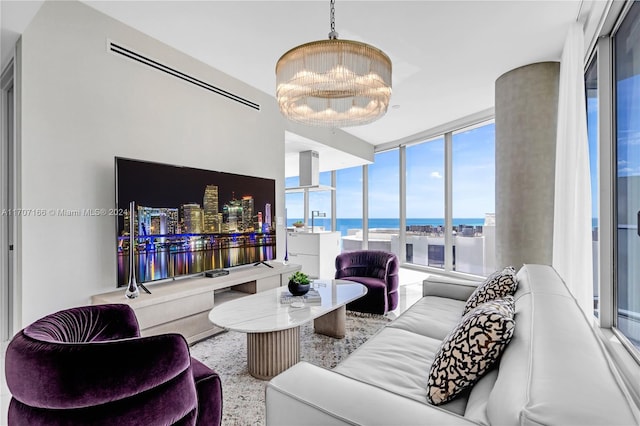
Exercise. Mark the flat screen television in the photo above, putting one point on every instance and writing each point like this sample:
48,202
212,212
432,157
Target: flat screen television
188,221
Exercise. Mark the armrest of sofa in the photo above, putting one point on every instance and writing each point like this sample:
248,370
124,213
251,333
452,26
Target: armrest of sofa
451,288
306,394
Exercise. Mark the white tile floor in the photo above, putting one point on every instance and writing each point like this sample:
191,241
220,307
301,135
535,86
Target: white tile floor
410,291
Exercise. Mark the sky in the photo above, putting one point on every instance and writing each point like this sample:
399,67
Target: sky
627,132
473,181
628,126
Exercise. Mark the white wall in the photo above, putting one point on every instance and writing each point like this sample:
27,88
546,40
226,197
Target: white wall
81,106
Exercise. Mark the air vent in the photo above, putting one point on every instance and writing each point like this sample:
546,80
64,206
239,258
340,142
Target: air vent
120,50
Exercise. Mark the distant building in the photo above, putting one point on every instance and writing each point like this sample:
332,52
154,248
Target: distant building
127,222
172,221
156,220
210,208
267,218
247,214
192,218
232,216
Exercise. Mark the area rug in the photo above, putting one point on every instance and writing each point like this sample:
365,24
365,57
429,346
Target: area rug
243,395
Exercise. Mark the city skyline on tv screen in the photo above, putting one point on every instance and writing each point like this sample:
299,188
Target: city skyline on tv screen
190,220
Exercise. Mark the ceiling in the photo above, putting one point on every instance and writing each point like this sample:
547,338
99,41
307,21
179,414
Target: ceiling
446,54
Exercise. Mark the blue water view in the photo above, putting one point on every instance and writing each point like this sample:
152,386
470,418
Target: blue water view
392,223
389,223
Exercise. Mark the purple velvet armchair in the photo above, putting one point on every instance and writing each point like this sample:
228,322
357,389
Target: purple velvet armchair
378,271
89,366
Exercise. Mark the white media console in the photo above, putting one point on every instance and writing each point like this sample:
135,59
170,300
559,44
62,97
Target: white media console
182,306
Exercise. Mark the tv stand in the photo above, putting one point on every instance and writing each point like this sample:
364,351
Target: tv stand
183,306
263,263
142,286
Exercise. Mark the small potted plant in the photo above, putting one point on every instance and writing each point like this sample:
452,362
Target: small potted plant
299,284
298,224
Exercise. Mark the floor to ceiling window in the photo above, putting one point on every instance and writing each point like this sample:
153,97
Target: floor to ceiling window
627,197
425,203
473,199
349,207
294,202
467,247
591,90
319,214
320,205
384,201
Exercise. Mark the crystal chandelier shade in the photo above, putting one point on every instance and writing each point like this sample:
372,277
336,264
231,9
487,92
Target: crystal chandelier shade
333,83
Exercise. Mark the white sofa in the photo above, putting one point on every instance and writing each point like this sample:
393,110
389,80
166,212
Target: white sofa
554,371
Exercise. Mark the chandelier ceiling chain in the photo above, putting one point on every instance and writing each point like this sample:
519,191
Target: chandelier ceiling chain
333,83
332,20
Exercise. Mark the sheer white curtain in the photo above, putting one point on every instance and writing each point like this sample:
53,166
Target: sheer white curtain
572,239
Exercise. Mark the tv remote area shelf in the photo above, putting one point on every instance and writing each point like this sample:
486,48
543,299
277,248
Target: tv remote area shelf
182,306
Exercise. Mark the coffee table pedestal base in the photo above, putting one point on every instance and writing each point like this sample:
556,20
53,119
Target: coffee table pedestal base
332,324
269,354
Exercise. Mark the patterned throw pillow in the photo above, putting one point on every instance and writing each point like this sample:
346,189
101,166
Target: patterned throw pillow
497,285
471,349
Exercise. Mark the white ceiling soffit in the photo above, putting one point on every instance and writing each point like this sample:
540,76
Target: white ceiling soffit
446,54
329,158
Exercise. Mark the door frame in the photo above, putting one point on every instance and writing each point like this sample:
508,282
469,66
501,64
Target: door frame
8,223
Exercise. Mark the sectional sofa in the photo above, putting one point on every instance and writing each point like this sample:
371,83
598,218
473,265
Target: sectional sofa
554,369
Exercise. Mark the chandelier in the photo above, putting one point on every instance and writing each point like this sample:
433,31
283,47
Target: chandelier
333,83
